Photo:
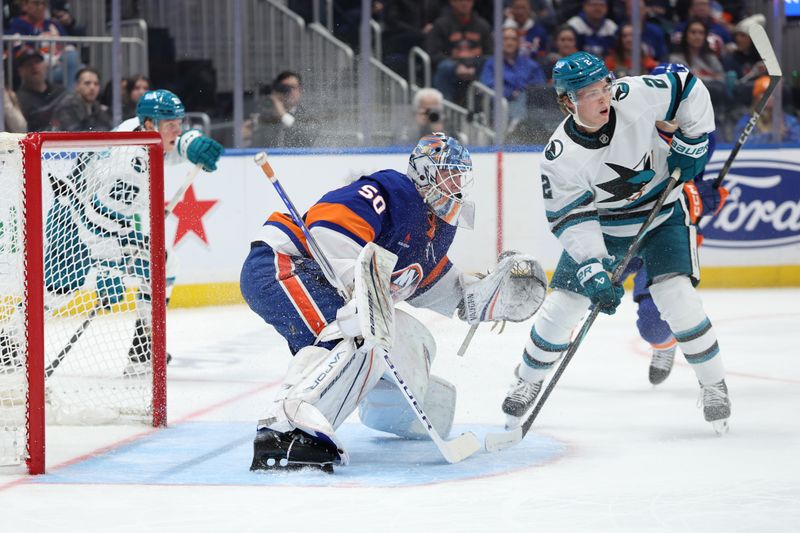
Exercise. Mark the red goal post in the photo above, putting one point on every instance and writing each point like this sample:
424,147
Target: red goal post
69,317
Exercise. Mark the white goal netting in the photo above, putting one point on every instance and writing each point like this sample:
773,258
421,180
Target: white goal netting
96,276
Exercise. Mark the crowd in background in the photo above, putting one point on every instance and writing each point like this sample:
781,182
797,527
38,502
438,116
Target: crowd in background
54,88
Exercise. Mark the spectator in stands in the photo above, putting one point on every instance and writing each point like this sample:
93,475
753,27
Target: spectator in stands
12,113
565,42
63,59
533,35
620,59
133,89
695,52
457,44
406,25
37,96
596,32
284,121
81,111
719,37
654,41
428,112
762,133
745,60
519,73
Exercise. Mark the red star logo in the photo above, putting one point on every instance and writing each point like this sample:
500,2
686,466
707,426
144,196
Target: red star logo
190,212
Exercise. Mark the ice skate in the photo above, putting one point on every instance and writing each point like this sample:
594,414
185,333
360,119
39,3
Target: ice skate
716,405
519,400
661,363
292,450
140,353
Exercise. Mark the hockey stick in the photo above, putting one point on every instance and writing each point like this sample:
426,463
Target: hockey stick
500,441
453,450
174,201
465,344
760,40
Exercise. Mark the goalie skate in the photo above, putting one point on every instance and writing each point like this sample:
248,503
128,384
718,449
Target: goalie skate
520,400
716,405
292,450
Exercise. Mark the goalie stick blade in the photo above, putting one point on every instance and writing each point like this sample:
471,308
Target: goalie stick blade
500,441
457,449
761,41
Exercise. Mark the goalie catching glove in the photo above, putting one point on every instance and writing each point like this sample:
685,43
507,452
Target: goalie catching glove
513,291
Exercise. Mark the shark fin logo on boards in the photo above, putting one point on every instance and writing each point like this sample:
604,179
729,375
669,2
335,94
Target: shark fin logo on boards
762,209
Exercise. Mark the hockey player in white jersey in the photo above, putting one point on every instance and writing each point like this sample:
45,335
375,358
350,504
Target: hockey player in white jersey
95,209
602,172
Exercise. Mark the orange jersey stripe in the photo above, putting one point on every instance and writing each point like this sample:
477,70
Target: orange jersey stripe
430,278
298,294
341,216
286,221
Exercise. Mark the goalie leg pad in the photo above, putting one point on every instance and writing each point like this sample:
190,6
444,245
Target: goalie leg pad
514,291
386,409
336,383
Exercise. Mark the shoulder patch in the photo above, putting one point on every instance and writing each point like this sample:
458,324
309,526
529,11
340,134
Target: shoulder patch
554,149
621,91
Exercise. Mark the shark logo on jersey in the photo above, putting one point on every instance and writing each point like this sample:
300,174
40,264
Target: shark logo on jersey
621,91
554,149
631,182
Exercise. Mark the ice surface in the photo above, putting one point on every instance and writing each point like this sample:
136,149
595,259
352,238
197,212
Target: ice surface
609,452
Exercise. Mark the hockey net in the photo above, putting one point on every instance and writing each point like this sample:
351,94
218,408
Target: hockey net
82,338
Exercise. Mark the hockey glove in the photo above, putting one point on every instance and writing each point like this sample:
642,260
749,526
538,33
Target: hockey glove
110,288
703,199
596,283
690,155
200,150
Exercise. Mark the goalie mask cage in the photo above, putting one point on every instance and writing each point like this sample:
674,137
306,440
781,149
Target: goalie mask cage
81,283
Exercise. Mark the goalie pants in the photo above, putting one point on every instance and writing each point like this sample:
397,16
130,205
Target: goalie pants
289,293
669,253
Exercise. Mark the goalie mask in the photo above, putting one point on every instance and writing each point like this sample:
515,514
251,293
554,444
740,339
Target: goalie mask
441,169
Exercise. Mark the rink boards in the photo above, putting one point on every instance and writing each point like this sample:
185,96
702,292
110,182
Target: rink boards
754,241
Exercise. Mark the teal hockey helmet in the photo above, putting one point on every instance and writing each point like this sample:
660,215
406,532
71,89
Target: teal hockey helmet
159,105
577,71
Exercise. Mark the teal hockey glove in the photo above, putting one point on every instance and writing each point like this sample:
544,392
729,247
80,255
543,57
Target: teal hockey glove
200,150
690,155
596,283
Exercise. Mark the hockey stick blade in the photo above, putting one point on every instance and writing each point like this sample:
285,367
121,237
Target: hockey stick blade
454,450
500,441
761,41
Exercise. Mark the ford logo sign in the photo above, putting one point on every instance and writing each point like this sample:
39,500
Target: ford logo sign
763,209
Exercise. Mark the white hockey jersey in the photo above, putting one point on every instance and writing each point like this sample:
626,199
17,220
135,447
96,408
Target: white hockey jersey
607,182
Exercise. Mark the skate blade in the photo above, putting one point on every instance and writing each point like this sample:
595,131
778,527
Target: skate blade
513,422
720,426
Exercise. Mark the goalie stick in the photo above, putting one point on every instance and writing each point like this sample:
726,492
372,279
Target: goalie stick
760,40
453,450
174,201
499,441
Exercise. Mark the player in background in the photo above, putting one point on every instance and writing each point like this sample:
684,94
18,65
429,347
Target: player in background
702,200
603,170
415,216
96,220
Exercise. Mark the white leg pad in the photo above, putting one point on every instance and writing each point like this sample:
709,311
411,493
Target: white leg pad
386,409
